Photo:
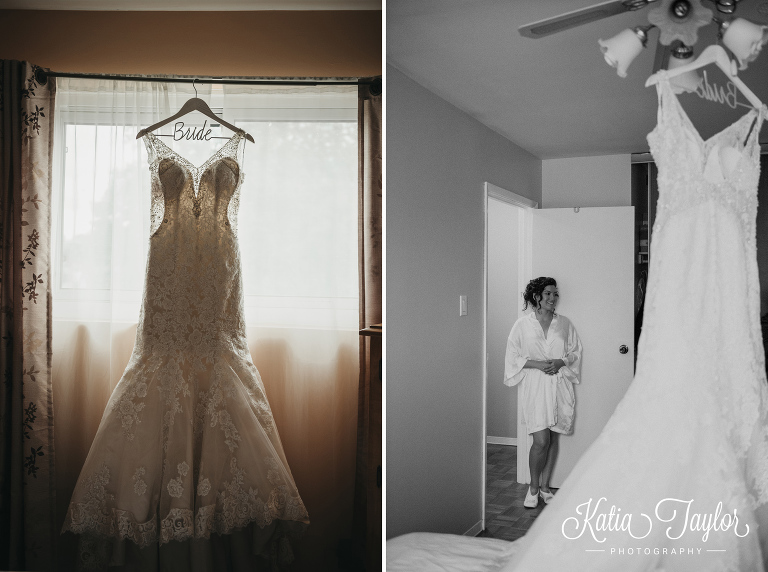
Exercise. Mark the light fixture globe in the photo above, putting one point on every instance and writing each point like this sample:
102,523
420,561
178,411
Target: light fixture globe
624,47
745,39
679,20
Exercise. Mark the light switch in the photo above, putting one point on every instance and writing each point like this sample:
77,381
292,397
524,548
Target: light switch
462,305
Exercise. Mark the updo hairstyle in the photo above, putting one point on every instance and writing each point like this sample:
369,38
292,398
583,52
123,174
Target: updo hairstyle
535,289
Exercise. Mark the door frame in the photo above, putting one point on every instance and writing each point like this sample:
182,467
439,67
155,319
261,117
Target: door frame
491,191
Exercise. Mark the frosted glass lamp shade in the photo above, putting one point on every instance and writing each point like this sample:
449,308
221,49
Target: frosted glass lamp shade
688,81
620,50
745,39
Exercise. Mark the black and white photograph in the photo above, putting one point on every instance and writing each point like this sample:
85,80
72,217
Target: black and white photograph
576,239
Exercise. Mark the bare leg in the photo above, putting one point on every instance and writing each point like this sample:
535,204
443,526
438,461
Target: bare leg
546,473
537,457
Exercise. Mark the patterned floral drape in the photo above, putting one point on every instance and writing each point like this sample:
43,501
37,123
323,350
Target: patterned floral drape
27,527
370,198
369,224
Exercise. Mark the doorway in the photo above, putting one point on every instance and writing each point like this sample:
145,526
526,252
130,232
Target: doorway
590,253
507,270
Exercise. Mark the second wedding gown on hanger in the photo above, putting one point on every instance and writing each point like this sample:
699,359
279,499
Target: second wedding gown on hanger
187,449
693,425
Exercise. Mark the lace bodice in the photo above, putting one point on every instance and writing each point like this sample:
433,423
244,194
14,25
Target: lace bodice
168,185
723,168
193,294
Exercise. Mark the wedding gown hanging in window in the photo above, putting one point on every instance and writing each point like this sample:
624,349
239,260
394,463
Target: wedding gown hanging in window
187,449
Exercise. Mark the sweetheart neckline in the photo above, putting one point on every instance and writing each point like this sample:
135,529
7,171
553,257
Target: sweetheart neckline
197,172
201,168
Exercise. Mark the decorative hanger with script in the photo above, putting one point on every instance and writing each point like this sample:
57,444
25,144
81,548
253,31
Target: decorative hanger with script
713,54
193,104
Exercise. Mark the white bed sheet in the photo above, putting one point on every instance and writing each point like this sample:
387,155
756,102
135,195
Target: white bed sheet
430,552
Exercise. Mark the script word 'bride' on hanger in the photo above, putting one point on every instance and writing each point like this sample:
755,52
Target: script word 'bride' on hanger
193,104
711,55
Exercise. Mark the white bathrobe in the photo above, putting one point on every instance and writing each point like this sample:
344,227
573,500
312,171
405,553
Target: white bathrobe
547,400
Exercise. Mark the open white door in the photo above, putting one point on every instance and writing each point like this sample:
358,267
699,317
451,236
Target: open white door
591,255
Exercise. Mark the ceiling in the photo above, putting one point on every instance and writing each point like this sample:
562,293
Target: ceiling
553,96
190,5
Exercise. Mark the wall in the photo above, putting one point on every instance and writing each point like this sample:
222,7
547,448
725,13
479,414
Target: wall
504,303
603,181
256,43
437,160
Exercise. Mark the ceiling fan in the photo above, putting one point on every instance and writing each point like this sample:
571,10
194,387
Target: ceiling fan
677,21
582,16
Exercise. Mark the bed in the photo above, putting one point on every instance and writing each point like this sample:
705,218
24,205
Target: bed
430,552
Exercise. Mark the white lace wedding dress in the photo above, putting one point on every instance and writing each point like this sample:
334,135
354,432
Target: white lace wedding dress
187,447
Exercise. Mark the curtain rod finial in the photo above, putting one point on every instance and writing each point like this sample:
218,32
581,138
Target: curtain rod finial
40,76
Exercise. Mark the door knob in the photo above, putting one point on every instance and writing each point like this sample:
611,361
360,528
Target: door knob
623,349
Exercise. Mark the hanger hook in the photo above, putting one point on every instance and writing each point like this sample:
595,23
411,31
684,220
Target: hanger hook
194,79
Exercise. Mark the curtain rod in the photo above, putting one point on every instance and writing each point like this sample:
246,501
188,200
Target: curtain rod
42,77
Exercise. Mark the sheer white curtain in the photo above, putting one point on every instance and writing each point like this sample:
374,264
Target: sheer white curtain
297,229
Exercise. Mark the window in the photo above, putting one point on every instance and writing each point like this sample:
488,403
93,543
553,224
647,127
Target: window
297,223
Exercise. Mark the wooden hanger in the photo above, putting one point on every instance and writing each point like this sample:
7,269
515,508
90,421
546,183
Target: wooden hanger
713,54
193,104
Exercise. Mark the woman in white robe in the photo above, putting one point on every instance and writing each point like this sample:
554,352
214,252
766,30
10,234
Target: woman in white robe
544,357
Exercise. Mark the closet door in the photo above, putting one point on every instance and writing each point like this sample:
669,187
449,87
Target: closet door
591,255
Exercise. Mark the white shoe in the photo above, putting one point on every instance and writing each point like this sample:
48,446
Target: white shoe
531,500
546,497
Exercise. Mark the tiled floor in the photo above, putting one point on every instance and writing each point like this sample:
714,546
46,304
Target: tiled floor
505,515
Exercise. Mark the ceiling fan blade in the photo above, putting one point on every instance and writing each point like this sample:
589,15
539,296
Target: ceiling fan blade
663,53
576,18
